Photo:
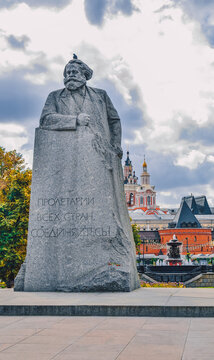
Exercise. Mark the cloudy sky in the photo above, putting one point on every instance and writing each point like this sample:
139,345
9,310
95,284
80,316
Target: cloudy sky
155,58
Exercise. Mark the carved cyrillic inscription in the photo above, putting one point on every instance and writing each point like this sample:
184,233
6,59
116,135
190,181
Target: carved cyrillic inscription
70,216
66,201
67,217
71,232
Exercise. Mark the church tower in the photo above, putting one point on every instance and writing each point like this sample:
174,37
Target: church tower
129,174
141,195
130,182
146,194
145,176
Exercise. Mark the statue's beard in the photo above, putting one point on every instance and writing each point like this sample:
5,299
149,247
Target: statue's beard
74,82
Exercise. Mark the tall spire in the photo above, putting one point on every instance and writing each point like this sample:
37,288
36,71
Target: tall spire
144,165
128,161
145,177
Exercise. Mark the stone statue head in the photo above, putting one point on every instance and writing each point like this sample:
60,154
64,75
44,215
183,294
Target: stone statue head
76,73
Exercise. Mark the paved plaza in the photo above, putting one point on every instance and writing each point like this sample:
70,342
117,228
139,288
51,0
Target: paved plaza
142,296
106,338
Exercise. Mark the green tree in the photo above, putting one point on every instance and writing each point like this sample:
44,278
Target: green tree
136,235
15,183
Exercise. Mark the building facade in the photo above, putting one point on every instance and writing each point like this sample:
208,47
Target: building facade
186,226
138,196
192,223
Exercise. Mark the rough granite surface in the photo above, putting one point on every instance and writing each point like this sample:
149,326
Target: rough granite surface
79,236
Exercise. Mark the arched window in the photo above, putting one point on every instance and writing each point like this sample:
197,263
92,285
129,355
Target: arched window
131,199
148,200
141,200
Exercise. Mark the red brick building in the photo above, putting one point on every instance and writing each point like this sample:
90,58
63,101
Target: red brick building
188,230
195,241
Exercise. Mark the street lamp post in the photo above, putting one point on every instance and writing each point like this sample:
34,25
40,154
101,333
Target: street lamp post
187,248
143,251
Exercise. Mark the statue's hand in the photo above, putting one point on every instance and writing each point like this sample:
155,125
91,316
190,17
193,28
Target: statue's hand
118,151
83,119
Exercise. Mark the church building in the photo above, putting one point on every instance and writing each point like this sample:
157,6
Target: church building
140,196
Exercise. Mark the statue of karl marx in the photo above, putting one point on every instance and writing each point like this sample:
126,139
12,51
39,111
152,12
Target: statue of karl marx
79,235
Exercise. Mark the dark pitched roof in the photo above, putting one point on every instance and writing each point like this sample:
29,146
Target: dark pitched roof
202,205
185,218
198,205
190,200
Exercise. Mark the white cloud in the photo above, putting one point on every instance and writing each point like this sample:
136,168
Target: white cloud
13,137
177,193
165,193
210,158
191,160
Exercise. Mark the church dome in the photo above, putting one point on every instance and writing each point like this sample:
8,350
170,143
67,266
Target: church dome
144,163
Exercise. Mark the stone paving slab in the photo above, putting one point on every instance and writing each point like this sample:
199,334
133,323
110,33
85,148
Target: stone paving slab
105,338
179,302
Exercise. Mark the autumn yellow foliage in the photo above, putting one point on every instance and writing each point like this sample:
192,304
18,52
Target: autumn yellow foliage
162,285
15,183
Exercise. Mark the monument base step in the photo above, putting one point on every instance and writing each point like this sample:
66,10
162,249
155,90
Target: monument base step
106,310
154,302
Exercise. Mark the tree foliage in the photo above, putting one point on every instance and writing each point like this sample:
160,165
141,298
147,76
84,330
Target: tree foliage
15,183
136,235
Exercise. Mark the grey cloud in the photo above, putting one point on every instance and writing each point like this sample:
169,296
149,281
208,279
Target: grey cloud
164,18
35,3
18,42
131,116
200,11
96,9
20,99
199,135
163,8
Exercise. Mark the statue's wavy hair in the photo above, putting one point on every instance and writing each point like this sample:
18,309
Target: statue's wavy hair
88,72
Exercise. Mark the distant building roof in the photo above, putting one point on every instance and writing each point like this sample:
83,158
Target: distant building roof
190,200
203,206
153,214
185,218
198,204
